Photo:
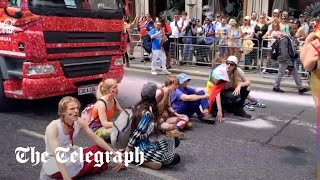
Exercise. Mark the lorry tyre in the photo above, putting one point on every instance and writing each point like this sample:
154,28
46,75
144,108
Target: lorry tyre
4,102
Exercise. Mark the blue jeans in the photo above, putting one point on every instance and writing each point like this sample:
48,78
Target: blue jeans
190,107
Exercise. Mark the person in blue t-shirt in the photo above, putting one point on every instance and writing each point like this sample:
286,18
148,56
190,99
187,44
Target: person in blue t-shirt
158,37
187,100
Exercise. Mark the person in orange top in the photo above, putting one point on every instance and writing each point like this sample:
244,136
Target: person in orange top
105,108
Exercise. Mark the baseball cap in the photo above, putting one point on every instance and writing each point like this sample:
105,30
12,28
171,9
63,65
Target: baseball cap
233,59
149,90
276,11
210,18
183,78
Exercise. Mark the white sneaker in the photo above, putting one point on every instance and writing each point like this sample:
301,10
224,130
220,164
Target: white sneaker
154,73
166,72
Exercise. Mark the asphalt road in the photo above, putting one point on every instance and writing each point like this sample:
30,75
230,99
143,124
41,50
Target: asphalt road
278,143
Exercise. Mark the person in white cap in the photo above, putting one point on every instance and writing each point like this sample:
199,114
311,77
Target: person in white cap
234,93
275,17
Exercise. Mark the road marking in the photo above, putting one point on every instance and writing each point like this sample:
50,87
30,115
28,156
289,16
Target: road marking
153,173
141,169
31,133
257,124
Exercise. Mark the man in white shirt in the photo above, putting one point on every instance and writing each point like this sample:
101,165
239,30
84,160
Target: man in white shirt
175,33
253,20
183,22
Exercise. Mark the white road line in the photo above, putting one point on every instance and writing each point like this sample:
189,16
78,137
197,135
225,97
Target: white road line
141,169
153,173
31,133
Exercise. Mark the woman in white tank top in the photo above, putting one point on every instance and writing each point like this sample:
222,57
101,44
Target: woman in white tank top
60,133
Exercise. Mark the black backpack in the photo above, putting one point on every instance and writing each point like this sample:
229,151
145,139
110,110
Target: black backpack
276,50
147,43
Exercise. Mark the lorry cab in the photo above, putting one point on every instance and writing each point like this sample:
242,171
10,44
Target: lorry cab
58,47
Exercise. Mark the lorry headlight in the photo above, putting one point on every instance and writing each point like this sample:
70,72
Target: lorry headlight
41,69
118,61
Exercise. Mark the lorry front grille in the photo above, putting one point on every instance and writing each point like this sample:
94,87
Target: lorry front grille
85,66
81,37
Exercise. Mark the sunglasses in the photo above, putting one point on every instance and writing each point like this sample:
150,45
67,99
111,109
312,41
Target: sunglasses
231,64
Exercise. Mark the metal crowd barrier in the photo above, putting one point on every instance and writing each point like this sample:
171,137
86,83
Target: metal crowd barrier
244,49
269,67
190,50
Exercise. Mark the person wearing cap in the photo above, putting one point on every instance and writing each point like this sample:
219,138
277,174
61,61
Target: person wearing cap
158,153
275,17
187,100
189,31
229,94
158,38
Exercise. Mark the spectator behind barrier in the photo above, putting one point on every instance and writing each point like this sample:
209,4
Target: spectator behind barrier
260,30
234,36
222,39
190,32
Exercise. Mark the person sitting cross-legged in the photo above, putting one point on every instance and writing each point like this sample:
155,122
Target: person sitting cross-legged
187,100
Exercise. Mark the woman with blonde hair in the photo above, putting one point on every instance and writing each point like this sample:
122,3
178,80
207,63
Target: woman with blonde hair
228,94
234,36
105,108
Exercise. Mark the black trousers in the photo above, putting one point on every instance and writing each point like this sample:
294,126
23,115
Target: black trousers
229,102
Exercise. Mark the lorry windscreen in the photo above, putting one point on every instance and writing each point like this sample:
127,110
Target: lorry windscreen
106,9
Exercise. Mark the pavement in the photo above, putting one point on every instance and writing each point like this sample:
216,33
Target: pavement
257,78
277,143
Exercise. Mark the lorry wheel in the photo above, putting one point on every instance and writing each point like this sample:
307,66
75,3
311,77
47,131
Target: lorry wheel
4,102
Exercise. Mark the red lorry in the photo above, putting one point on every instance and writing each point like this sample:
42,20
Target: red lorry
57,47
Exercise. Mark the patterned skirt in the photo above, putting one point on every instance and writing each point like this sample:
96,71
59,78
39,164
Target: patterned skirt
161,151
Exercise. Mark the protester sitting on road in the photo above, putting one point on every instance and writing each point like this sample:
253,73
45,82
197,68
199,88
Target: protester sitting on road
170,121
61,133
230,94
285,61
105,108
145,120
187,100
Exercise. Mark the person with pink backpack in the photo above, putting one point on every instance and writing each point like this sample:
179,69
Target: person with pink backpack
99,115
